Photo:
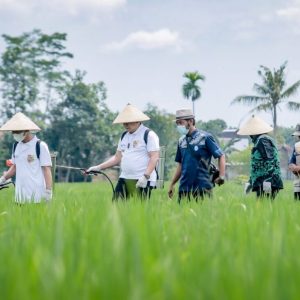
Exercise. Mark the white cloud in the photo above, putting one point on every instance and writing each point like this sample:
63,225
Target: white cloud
291,12
163,38
17,6
67,6
75,6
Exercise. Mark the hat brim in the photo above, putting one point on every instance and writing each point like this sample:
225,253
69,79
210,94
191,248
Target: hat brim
296,133
19,122
184,118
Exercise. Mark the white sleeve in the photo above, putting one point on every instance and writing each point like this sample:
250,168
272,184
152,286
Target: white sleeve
119,145
153,142
45,158
13,158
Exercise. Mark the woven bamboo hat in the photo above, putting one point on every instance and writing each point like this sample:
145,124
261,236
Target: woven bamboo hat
19,122
297,132
254,126
130,114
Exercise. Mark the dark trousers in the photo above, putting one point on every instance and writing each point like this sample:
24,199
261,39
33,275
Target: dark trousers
122,193
195,195
261,194
297,195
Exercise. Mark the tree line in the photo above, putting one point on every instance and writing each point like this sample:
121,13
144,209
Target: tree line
73,114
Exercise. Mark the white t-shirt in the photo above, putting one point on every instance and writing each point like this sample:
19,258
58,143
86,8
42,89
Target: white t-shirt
30,181
135,153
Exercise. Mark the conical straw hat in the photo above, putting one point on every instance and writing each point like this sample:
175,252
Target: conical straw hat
254,126
19,122
130,114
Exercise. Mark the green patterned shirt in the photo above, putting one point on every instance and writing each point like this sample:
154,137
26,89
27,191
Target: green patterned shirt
265,163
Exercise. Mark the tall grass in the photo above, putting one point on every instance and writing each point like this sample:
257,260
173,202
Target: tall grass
82,246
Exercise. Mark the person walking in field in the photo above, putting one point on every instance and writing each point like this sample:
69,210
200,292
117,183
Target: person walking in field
265,176
194,153
137,153
294,163
31,161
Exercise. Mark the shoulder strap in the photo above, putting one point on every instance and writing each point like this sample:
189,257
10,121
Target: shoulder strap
38,148
146,135
123,134
14,148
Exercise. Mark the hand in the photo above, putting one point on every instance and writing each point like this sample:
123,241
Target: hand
2,179
247,188
219,180
48,195
93,169
142,182
171,191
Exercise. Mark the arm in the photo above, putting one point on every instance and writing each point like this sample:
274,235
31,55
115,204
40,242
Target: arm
48,177
292,163
154,157
10,173
174,180
221,164
294,168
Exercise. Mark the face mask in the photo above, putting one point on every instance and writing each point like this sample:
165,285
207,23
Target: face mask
19,136
182,130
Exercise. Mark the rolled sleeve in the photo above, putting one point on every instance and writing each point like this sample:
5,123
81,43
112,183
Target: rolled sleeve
213,147
153,142
45,157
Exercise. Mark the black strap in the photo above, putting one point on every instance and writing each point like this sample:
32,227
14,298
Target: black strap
38,148
14,148
123,134
146,135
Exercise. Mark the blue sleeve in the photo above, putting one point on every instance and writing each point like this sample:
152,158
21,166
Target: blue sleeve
178,157
293,158
213,147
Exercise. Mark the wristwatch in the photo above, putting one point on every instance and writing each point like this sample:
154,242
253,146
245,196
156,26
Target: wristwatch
147,176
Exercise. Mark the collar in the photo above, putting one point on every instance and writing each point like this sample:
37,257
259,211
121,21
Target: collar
193,134
33,140
137,131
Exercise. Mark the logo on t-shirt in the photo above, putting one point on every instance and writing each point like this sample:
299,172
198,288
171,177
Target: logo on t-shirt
30,158
135,143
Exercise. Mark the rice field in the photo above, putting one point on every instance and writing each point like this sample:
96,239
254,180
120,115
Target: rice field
83,246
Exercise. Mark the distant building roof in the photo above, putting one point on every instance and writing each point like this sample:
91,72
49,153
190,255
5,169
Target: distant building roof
230,134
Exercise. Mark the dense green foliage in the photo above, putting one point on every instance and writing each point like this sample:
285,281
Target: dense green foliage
84,247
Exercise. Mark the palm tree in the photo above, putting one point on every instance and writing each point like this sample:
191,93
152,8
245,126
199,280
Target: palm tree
271,93
190,89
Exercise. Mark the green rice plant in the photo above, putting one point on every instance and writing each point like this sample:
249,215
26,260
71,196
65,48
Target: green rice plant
83,246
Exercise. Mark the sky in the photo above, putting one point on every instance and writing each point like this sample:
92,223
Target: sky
141,49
